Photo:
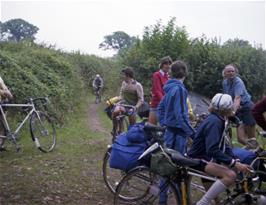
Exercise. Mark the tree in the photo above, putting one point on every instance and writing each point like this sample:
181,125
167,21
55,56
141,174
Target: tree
117,40
17,30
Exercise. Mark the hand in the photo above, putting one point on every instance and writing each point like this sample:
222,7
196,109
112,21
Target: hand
246,169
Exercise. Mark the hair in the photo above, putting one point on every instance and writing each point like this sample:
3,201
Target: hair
165,60
179,69
225,112
128,72
233,65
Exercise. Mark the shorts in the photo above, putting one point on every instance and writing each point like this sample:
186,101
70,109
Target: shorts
245,115
201,166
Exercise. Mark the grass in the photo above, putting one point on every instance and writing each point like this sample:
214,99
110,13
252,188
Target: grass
65,176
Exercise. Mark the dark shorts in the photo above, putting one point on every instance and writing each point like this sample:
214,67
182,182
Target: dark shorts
201,166
245,115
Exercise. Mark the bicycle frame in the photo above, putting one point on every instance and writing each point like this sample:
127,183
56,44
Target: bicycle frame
6,125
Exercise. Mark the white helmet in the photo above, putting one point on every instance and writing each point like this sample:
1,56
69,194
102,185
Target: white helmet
222,102
97,75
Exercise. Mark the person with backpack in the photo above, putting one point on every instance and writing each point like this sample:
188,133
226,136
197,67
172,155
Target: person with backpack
159,78
97,85
211,146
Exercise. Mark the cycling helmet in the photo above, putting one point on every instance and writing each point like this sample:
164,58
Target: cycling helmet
97,75
144,110
222,102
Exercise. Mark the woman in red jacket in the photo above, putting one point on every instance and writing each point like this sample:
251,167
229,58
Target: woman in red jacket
159,78
258,110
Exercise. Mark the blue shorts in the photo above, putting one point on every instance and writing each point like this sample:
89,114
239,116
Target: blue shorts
245,115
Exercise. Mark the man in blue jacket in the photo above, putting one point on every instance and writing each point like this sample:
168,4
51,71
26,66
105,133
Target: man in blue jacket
173,110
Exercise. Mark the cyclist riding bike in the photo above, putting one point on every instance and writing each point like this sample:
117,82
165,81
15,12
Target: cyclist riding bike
5,95
97,85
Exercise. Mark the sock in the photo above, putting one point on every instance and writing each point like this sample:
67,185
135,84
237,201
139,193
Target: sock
212,193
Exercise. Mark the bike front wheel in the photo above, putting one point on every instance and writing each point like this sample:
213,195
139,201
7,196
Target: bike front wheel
42,131
110,175
141,186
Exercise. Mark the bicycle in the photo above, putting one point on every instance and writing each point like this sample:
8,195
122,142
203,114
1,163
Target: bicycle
120,122
113,176
41,127
97,93
177,185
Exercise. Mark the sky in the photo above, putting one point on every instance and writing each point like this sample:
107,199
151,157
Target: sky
80,25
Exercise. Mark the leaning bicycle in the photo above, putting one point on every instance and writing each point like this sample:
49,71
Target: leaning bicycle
42,129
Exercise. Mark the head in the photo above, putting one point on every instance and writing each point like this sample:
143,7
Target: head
127,73
97,75
179,69
230,71
222,104
165,63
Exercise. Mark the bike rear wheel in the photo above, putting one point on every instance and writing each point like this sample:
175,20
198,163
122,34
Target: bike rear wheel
141,186
111,176
42,131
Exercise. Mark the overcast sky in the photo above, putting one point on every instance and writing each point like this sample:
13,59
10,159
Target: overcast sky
81,25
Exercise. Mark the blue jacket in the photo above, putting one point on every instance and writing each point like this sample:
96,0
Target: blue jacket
172,111
209,143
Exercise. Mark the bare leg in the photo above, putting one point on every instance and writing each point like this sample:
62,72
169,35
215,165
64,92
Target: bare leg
227,175
250,130
241,134
132,119
152,118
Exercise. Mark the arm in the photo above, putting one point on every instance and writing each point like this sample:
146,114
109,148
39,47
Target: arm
258,111
157,86
238,90
161,112
213,134
4,91
140,95
181,111
101,82
121,95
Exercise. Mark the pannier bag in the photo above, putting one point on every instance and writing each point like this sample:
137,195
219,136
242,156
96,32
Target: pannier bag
127,148
110,105
162,164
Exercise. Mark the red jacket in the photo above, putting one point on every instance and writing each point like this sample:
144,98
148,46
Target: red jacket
158,81
258,110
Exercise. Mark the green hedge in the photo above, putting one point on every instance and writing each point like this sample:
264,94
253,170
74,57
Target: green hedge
31,70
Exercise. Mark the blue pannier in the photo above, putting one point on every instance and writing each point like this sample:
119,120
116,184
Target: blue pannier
127,148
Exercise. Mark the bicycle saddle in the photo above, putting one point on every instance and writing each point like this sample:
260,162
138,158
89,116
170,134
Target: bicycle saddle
151,127
179,159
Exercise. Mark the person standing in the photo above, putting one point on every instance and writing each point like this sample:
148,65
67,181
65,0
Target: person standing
159,78
234,86
5,95
172,111
258,110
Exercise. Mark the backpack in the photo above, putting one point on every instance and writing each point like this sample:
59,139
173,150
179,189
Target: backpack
128,147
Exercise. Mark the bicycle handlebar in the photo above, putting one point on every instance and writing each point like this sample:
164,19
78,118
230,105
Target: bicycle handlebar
130,109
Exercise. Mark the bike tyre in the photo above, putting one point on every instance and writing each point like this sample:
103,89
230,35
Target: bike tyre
42,131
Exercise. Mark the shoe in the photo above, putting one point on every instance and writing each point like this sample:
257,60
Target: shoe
3,149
